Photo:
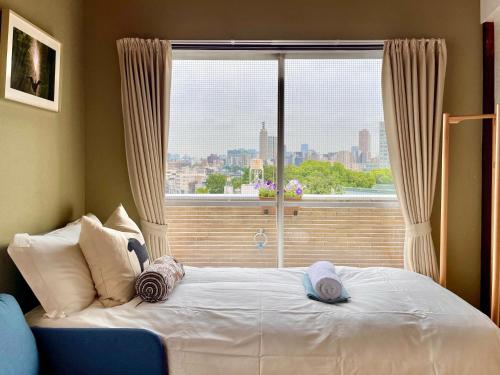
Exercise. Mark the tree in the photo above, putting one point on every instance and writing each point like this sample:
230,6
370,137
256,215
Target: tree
236,182
269,173
319,177
323,177
215,183
245,176
201,190
383,176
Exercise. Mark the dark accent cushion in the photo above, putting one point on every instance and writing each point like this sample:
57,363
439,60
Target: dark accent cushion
109,351
140,251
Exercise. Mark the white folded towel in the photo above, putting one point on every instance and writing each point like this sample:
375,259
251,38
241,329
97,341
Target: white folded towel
325,280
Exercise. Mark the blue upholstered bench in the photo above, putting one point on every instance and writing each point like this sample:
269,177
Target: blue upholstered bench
74,351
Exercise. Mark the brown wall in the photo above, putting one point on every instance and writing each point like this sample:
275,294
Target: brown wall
42,163
455,20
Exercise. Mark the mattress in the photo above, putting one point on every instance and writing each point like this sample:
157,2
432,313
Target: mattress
258,321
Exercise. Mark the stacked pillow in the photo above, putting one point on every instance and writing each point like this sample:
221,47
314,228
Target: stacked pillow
68,267
116,255
55,269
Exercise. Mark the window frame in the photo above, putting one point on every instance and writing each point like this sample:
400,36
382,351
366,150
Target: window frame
280,51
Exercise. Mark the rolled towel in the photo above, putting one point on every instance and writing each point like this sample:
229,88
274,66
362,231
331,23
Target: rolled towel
325,280
311,293
159,279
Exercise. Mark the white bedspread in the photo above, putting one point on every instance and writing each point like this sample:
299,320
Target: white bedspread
258,321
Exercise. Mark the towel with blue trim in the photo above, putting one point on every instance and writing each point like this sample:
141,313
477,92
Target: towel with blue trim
311,293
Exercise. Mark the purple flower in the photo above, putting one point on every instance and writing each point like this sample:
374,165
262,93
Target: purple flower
294,186
298,191
266,185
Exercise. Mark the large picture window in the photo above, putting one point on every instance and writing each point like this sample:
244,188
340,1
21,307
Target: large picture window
244,124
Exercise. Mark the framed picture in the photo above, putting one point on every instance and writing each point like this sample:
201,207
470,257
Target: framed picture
30,62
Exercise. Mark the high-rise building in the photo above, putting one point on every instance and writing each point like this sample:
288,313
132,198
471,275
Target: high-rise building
383,153
213,159
355,154
240,157
304,148
345,158
364,145
263,152
298,158
272,148
311,155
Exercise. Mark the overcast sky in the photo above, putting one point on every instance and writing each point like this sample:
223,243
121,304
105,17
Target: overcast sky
218,105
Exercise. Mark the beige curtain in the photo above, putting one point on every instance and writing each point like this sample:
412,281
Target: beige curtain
413,74
145,68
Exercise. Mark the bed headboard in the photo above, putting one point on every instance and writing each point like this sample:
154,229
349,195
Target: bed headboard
12,282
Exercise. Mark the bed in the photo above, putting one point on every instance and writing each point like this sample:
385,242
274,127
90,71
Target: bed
258,321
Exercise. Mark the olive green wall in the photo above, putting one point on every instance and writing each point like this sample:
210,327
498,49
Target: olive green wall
42,163
46,178
456,20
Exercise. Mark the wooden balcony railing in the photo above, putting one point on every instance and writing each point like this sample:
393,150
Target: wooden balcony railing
220,230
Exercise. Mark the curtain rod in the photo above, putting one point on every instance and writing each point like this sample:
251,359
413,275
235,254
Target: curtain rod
315,45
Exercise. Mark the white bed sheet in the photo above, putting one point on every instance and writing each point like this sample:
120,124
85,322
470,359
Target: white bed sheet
258,321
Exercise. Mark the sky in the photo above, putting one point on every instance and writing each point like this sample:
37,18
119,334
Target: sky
219,105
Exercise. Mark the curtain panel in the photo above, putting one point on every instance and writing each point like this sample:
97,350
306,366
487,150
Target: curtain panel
145,69
413,75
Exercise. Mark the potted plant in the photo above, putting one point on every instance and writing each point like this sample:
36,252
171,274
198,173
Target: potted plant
293,190
267,190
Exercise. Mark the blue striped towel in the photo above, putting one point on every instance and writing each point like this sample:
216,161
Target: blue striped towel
311,293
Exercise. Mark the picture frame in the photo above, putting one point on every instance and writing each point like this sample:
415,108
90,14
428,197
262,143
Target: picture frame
30,62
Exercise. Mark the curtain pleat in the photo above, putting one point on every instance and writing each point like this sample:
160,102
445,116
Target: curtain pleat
145,68
413,73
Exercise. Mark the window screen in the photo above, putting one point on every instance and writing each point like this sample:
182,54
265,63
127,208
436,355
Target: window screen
339,196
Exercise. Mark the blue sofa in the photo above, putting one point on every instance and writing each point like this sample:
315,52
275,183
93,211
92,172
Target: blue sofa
74,351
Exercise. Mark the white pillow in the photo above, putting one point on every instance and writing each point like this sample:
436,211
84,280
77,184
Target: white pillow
54,267
114,264
120,221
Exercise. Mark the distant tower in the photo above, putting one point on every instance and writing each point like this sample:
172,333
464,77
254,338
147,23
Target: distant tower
364,145
382,144
263,143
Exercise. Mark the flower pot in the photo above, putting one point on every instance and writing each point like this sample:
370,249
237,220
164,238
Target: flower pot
288,211
298,198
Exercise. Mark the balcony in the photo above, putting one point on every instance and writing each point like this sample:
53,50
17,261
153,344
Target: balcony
219,230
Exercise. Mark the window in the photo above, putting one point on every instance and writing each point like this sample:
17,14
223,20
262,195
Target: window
217,109
334,129
236,114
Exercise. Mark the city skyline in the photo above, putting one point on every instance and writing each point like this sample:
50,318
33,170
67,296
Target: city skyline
189,175
360,153
220,105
